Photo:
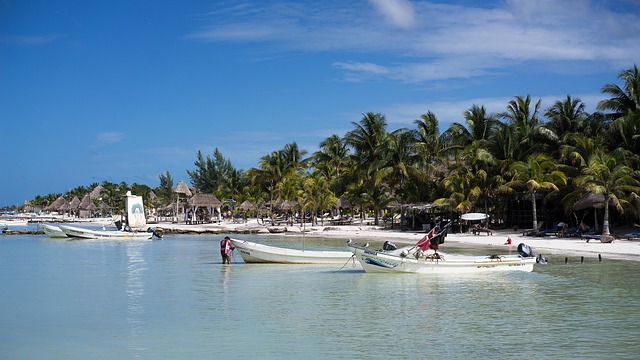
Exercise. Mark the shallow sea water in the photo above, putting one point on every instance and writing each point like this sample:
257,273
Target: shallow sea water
172,299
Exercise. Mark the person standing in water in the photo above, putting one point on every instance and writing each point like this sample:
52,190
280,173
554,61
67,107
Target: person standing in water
225,249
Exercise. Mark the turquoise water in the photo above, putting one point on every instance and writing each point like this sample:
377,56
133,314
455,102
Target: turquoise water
172,299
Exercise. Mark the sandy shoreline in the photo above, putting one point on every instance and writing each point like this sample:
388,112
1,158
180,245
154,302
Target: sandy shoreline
619,248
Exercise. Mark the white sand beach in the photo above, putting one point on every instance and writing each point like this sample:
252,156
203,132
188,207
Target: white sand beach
619,248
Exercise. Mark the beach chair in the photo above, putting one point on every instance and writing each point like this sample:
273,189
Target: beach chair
534,232
633,236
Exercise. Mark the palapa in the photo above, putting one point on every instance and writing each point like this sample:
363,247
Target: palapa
287,205
182,188
95,193
246,206
590,200
75,202
85,203
204,200
58,203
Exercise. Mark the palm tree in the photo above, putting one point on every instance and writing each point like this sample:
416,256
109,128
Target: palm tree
624,105
527,126
566,117
368,140
607,174
400,161
537,173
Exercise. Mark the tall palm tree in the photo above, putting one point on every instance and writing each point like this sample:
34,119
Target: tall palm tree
400,161
527,126
607,174
479,126
368,140
566,117
537,173
624,105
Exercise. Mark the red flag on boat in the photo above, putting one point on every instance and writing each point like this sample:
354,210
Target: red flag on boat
423,244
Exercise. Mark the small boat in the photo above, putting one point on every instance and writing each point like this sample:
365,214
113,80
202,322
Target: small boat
419,259
53,231
135,220
78,232
258,253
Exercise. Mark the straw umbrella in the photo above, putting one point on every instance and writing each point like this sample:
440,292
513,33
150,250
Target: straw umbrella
591,200
246,206
181,188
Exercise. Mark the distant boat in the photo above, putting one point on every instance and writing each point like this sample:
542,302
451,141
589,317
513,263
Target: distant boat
135,221
258,253
12,222
78,232
53,231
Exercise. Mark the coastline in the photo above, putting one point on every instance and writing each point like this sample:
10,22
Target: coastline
621,248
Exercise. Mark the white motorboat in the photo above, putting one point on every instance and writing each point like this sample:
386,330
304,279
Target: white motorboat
53,231
78,232
258,253
424,258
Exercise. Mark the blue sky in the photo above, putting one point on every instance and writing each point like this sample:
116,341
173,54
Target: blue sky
126,90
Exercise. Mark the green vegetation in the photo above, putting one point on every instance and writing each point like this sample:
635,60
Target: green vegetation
483,164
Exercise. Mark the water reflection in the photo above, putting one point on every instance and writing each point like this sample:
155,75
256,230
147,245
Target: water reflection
135,290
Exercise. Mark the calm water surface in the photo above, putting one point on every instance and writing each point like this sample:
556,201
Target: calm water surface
172,299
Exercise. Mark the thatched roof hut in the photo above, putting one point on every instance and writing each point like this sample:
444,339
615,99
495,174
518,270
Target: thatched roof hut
84,204
182,188
95,193
204,200
58,203
75,202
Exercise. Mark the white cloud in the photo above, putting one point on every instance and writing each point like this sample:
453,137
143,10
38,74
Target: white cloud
423,40
399,12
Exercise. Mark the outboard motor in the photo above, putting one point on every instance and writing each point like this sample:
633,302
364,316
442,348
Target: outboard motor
389,246
155,233
525,251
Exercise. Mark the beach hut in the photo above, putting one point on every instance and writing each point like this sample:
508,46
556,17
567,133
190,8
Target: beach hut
95,193
181,188
73,205
85,208
58,204
208,201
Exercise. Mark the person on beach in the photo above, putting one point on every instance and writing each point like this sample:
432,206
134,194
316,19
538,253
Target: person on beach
225,249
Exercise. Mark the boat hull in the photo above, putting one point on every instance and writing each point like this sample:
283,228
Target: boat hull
72,231
258,253
53,231
380,261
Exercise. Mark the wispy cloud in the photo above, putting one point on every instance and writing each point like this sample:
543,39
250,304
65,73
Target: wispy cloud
399,13
27,39
107,138
424,41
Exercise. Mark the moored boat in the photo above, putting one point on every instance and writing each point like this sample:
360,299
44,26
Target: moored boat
78,232
53,231
259,253
424,258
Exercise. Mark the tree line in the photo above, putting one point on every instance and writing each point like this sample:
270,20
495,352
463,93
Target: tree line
555,156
